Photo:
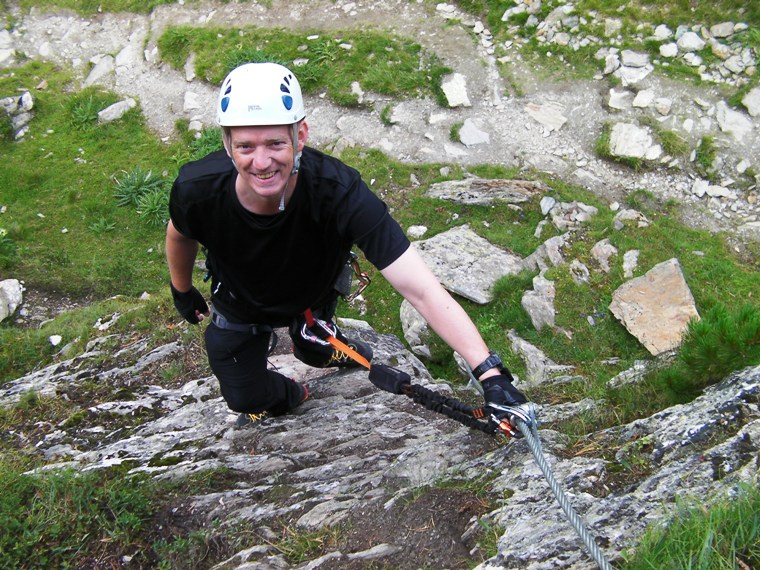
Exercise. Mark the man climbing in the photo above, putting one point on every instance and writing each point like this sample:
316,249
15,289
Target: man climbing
278,220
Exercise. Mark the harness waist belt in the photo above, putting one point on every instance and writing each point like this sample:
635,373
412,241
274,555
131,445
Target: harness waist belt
219,320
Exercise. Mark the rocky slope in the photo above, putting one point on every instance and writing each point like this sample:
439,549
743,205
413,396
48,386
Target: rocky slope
406,487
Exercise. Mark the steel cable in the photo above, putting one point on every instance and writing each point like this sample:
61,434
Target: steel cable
534,443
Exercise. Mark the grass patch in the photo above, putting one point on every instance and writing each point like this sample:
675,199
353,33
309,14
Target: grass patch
706,153
722,535
131,186
724,340
672,143
78,516
94,7
53,209
84,519
454,131
326,62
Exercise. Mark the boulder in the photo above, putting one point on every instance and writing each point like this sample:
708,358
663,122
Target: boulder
482,192
467,264
11,297
656,308
454,88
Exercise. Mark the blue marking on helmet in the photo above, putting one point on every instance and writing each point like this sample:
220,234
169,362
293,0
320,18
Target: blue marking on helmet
287,100
226,100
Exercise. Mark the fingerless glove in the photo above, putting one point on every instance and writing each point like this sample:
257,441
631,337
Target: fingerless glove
188,303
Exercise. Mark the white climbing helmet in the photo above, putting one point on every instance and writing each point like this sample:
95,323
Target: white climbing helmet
260,94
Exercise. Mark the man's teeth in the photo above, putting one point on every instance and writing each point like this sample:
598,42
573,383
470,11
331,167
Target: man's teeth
266,176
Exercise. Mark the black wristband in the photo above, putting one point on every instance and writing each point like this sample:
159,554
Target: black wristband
493,361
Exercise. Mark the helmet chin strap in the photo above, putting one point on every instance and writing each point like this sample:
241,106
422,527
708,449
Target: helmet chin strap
296,166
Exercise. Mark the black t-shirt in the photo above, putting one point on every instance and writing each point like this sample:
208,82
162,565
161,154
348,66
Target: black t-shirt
267,269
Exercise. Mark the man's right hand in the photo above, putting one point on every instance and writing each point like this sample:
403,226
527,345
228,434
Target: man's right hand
190,304
499,390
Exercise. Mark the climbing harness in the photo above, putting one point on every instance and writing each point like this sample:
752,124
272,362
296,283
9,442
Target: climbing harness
221,321
511,421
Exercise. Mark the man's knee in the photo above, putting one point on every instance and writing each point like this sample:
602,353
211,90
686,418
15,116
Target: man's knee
252,398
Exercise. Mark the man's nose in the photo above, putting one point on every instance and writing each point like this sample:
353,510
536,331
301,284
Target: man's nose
261,157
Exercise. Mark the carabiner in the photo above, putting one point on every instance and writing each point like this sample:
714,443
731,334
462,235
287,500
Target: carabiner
361,276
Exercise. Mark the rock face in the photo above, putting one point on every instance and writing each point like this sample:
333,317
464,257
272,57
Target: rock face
656,308
351,455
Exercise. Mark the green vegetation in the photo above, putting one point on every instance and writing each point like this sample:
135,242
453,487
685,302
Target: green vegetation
381,63
723,341
51,208
705,157
93,7
87,222
69,519
638,20
62,508
454,131
723,536
133,185
6,127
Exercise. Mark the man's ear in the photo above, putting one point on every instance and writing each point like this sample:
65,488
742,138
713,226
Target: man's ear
227,140
303,134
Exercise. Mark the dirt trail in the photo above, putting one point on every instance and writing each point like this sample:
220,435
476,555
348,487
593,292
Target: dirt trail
421,129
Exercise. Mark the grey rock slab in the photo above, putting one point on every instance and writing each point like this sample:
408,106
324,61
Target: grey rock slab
479,191
116,111
539,302
752,102
467,264
603,251
454,88
416,329
550,114
11,297
631,58
690,41
102,72
539,367
629,140
472,133
733,122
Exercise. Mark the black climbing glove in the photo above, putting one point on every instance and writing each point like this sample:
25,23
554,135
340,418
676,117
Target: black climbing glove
499,390
189,302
